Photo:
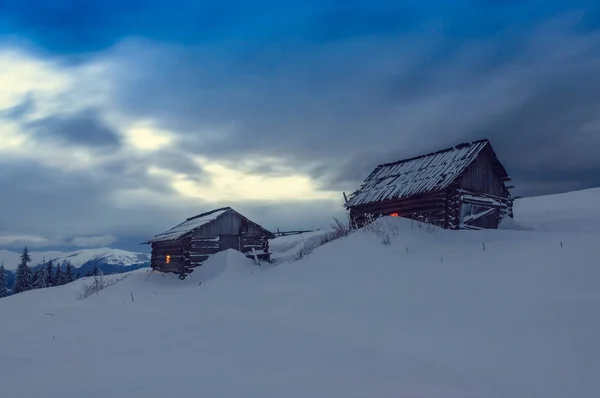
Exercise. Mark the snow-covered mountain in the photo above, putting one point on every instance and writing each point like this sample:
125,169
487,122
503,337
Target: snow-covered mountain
78,258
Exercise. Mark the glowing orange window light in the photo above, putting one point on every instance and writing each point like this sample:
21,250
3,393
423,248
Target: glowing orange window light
394,215
168,259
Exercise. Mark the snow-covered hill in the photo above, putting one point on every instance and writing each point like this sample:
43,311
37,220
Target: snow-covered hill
571,212
286,247
77,258
425,313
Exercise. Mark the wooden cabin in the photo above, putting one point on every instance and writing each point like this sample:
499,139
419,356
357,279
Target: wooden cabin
189,244
463,187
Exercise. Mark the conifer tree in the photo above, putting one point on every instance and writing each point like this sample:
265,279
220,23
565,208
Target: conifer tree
59,277
41,278
69,276
3,286
50,272
36,283
24,277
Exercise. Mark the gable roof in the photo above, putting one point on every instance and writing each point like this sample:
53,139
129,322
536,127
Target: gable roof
189,225
193,223
419,175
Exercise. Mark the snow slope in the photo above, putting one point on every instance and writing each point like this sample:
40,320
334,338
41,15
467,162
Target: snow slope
572,212
431,314
77,258
285,247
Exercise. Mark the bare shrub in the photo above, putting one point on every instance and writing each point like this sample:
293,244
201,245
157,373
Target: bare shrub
99,282
383,228
339,229
386,240
423,221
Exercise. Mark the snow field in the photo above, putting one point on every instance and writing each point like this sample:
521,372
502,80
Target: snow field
355,318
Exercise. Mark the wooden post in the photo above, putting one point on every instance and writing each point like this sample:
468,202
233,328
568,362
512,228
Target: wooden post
255,257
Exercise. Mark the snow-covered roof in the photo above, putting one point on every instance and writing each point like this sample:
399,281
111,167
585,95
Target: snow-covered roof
189,225
420,175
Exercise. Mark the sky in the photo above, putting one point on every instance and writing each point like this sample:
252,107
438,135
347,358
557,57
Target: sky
119,119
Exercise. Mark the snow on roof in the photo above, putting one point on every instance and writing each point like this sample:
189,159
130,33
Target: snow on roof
189,225
410,177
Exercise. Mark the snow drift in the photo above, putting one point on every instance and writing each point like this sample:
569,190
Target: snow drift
571,212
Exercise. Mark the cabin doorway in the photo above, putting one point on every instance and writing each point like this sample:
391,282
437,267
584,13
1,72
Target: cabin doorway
229,242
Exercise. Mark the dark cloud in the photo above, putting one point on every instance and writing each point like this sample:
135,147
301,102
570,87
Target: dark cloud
337,110
81,26
351,20
83,128
178,161
60,206
19,111
71,209
329,90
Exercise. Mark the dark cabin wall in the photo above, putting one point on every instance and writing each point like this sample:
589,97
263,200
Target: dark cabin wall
228,224
228,230
430,207
160,250
184,254
480,177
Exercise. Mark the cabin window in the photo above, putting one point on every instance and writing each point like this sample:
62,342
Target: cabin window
472,211
168,259
394,215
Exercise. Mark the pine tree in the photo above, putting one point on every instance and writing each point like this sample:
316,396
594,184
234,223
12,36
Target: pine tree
59,277
41,278
50,272
3,287
69,277
24,277
36,282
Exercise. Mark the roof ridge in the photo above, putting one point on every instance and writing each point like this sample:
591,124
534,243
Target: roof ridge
208,213
449,149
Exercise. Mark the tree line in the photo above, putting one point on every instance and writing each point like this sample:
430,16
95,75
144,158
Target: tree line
45,275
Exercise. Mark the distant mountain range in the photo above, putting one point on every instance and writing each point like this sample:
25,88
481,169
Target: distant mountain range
109,261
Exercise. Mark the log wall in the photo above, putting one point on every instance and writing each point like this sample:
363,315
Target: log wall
431,208
191,252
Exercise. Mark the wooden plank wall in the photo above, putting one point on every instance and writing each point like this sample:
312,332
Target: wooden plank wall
431,207
160,251
440,208
184,254
192,251
481,177
257,242
228,224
